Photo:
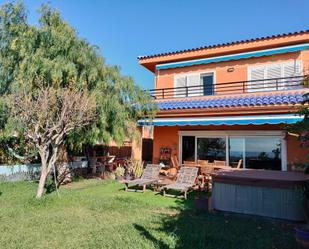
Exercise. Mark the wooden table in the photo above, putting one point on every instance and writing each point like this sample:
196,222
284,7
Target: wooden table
216,167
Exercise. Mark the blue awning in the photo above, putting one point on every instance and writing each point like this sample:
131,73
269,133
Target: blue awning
228,120
247,55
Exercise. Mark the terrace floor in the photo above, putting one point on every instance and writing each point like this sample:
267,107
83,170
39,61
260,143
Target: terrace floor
99,214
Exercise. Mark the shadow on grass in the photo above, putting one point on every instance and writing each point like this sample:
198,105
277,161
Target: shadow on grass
150,237
192,228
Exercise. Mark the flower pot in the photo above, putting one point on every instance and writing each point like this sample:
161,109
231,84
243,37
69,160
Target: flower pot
302,237
202,203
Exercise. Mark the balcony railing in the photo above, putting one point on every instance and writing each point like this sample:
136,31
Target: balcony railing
273,84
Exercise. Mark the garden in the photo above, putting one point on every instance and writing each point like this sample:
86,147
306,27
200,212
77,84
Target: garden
100,214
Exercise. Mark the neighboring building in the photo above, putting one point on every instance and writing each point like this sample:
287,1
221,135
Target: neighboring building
231,101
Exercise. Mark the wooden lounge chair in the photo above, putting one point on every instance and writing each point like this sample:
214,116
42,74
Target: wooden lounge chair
185,181
150,175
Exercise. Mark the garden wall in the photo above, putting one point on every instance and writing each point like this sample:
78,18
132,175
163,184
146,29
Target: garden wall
29,172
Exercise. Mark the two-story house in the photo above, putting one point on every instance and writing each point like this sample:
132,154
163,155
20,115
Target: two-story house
231,101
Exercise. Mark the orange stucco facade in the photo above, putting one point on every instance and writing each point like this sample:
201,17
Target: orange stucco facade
165,78
169,136
228,71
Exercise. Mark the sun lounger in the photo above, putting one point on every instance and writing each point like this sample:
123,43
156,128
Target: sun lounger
185,181
150,175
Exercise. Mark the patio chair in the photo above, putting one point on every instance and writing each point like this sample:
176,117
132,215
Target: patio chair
175,163
239,164
206,172
172,170
219,163
201,176
189,163
202,162
150,175
185,181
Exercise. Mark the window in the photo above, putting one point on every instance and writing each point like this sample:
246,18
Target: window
263,153
194,85
259,76
255,149
256,152
208,84
211,149
236,150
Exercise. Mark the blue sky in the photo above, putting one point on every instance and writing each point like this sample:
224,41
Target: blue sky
124,29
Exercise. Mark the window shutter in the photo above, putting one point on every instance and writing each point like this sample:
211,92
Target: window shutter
257,74
180,81
291,69
273,72
194,80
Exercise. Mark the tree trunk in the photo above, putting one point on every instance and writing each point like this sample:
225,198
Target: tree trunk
42,181
64,175
44,173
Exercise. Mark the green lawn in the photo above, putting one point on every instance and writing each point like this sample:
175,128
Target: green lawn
97,214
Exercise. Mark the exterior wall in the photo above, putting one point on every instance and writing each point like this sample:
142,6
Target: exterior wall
165,78
168,136
165,136
137,147
295,153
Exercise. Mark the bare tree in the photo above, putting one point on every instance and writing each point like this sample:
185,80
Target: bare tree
47,118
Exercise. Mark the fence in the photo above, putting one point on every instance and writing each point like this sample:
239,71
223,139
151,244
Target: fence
29,172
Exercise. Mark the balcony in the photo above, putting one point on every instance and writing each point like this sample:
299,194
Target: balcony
227,88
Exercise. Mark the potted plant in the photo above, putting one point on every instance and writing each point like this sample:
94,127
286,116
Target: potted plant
137,168
202,201
302,232
119,172
127,169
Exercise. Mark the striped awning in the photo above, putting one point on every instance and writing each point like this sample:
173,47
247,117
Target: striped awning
228,120
259,53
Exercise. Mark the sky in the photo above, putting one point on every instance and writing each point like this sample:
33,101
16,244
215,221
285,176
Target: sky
125,29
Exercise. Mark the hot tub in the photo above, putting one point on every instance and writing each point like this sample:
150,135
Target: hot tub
268,193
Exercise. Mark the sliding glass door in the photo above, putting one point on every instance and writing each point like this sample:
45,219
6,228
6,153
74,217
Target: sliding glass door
211,149
236,150
263,153
256,152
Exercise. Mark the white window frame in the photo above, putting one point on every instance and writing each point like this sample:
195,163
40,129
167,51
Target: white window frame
201,73
236,134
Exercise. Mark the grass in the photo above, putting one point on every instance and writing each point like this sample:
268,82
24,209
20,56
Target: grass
97,214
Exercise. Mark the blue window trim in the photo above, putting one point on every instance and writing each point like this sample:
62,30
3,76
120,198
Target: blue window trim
282,50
